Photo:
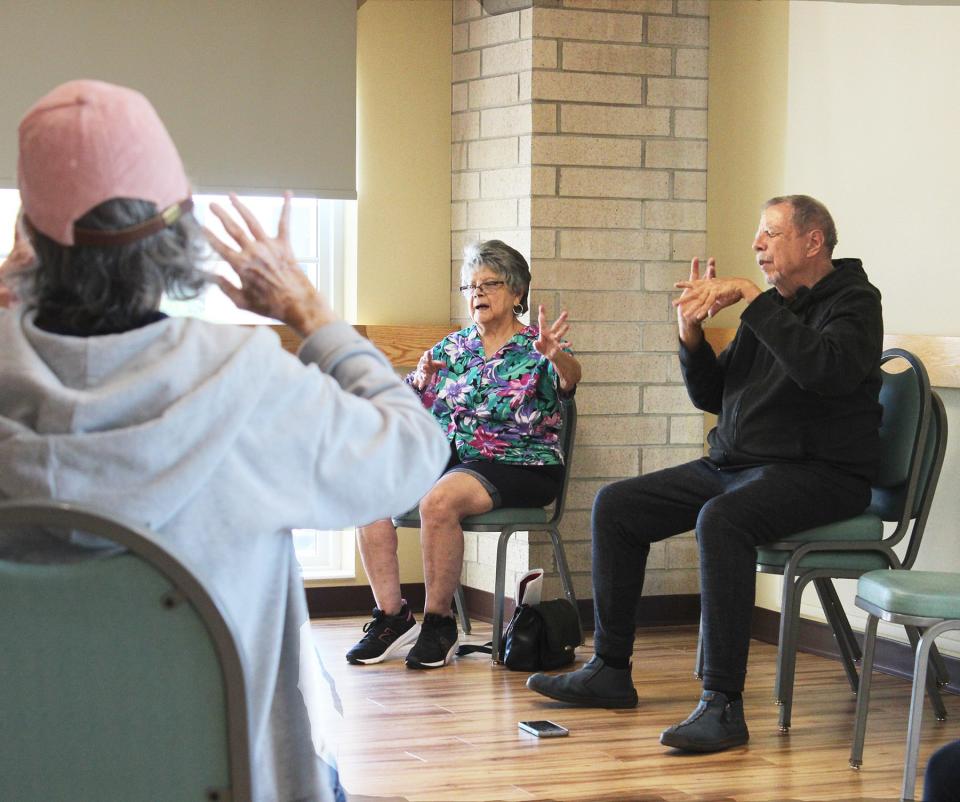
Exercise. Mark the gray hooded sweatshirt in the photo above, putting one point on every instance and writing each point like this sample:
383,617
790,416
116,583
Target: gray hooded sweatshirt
220,443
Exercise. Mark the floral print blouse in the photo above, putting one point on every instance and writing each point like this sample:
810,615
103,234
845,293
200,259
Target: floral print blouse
505,408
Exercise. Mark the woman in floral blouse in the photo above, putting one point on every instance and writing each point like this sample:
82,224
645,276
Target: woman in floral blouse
495,388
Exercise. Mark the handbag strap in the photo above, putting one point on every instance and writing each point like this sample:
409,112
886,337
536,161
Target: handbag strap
470,648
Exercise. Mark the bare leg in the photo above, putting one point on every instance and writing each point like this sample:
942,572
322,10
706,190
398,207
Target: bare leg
378,552
455,496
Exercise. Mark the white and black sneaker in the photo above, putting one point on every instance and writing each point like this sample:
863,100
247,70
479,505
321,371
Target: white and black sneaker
385,635
437,642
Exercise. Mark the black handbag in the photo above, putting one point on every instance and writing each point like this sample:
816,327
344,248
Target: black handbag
541,637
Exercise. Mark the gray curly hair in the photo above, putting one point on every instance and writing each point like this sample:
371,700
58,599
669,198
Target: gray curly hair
96,289
506,262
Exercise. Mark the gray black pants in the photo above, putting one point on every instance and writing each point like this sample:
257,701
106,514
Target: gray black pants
733,511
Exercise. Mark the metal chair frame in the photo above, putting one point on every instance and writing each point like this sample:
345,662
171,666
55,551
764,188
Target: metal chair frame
914,509
135,540
507,529
924,651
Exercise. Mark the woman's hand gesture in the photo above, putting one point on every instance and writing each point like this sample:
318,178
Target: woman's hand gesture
426,369
271,282
550,341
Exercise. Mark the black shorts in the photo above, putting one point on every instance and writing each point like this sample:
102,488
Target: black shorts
512,485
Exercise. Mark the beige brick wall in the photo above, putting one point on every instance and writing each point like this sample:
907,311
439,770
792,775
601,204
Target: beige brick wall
579,136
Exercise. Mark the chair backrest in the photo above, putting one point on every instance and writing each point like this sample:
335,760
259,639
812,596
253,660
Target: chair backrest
120,678
933,456
568,434
912,441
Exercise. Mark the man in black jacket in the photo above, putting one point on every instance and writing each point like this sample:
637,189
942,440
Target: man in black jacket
796,446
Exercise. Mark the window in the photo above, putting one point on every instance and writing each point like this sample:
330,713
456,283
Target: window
321,231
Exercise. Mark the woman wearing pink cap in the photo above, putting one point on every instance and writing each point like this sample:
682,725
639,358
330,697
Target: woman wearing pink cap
211,436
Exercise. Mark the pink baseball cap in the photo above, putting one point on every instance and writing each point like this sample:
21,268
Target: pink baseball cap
87,142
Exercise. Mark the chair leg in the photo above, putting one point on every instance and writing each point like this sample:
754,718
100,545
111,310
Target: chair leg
845,628
849,653
863,697
462,613
787,652
563,569
499,592
786,599
698,668
930,681
921,678
939,666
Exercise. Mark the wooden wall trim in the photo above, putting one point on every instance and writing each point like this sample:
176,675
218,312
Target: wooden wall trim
403,345
940,354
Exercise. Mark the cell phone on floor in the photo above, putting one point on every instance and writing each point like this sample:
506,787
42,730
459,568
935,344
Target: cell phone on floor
543,729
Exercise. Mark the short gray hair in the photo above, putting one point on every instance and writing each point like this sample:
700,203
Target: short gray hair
809,214
506,262
95,289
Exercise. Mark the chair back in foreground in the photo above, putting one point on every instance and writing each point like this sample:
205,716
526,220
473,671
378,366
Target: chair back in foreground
508,520
121,678
913,435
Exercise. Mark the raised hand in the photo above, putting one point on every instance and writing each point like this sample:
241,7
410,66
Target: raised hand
427,368
688,321
271,281
703,298
550,341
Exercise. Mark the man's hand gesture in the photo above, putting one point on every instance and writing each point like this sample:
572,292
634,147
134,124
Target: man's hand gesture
704,297
688,320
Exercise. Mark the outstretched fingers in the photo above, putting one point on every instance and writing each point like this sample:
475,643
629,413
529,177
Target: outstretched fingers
233,229
283,227
252,223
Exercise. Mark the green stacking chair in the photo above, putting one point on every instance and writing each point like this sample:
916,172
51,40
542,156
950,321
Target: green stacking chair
507,521
913,436
926,600
120,677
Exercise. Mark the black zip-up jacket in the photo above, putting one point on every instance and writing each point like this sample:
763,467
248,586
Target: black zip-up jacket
801,380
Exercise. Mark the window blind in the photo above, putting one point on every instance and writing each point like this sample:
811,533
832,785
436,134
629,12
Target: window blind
259,96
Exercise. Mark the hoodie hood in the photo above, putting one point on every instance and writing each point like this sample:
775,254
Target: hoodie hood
846,272
123,416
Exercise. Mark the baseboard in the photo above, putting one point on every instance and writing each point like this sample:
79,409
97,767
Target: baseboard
652,611
816,637
335,602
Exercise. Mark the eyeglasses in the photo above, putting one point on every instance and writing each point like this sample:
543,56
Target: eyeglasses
486,286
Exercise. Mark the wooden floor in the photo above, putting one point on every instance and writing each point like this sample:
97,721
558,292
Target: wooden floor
451,734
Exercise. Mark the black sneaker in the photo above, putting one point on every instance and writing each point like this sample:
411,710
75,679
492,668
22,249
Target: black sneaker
386,634
436,644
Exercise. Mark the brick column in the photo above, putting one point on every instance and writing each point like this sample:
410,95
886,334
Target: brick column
580,138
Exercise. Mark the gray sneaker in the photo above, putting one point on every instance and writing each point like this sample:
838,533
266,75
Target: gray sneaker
594,685
716,724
